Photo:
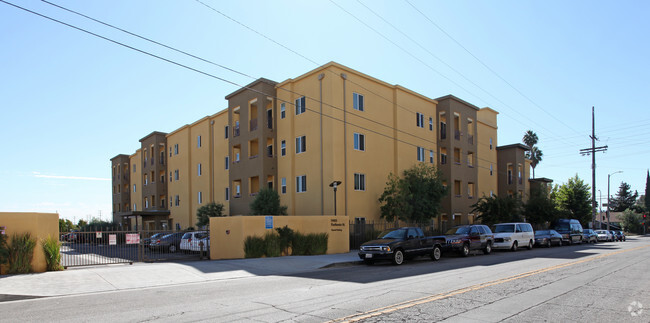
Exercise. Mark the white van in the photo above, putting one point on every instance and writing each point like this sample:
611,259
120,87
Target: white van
513,235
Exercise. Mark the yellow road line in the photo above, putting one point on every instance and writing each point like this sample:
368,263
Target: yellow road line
432,298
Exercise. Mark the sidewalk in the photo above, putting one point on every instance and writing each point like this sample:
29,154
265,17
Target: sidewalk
80,280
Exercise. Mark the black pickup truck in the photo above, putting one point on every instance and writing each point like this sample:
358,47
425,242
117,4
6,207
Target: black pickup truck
400,243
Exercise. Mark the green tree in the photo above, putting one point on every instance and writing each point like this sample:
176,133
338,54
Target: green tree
496,209
204,213
267,202
533,153
540,207
81,224
66,225
647,191
632,221
413,197
574,199
624,198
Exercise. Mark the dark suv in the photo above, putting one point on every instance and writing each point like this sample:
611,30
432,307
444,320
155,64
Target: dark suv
466,238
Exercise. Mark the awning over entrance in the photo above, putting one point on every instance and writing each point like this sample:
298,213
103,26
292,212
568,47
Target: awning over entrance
155,220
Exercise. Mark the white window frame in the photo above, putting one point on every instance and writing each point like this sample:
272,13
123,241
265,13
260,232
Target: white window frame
301,144
431,156
227,132
300,105
301,184
359,182
420,154
177,175
357,101
283,148
227,162
134,190
359,142
430,123
283,112
419,120
283,186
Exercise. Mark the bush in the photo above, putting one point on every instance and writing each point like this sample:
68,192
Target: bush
286,236
272,245
309,244
254,247
21,251
52,248
4,250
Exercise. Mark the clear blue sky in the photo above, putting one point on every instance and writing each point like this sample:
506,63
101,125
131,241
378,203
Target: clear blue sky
71,101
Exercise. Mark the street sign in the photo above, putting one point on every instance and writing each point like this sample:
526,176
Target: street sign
112,239
132,238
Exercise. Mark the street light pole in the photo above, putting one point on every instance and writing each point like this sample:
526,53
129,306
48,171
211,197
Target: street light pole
608,176
333,185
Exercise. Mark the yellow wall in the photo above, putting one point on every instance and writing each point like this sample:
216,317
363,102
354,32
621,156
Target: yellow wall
40,225
220,146
227,234
182,187
486,155
199,155
387,122
136,179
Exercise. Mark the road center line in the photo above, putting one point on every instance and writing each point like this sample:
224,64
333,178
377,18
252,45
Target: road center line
432,298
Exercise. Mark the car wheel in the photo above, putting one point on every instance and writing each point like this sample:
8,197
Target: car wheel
548,243
368,262
436,253
488,248
465,250
514,246
530,245
172,248
398,257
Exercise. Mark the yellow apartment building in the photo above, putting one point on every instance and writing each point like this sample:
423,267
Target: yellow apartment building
487,152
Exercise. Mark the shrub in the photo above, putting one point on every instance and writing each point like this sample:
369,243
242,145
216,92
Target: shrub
286,236
254,247
272,244
309,244
319,243
52,248
21,251
4,250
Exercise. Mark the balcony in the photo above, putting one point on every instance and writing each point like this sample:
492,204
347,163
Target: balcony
269,122
235,131
253,124
470,139
443,134
457,135
162,160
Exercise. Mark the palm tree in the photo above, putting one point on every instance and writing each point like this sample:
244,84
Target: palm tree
530,139
535,158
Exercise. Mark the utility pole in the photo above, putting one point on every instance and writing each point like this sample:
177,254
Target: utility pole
592,151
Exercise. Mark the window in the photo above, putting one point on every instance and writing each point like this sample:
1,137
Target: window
200,197
146,180
300,105
359,142
283,148
284,185
133,188
170,154
227,193
175,149
135,207
457,156
470,190
430,124
431,156
301,144
170,179
198,169
227,130
301,183
359,182
177,200
490,169
357,101
457,189
176,175
134,168
227,162
470,159
419,119
283,112
443,156
490,143
420,154
198,142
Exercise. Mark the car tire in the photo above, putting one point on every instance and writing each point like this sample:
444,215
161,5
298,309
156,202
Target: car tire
368,262
436,253
488,248
514,246
398,257
548,243
464,251
172,248
530,245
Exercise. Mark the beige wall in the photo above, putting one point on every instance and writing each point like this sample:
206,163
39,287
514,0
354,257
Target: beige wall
227,234
136,179
219,173
181,213
487,152
40,225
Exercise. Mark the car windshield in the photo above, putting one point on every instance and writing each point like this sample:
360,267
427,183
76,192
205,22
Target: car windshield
543,232
187,235
562,227
504,228
393,234
458,230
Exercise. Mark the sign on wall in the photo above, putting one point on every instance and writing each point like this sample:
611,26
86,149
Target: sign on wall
112,239
132,238
268,222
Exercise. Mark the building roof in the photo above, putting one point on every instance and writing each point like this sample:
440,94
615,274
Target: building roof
541,179
452,97
120,156
153,134
521,146
250,85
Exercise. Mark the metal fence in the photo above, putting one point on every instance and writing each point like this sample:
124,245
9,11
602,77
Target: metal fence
361,231
115,247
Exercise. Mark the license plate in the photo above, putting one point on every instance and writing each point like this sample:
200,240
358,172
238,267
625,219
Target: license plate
368,255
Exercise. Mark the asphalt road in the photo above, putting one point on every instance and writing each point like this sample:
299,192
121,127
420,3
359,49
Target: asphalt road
590,283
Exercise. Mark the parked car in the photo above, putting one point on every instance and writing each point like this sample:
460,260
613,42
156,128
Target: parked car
513,235
548,238
190,239
620,236
603,235
169,242
465,238
202,240
570,229
589,236
147,241
401,243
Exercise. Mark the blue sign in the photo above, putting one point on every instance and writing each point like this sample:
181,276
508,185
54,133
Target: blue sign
268,222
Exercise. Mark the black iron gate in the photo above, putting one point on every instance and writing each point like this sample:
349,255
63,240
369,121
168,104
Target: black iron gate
115,247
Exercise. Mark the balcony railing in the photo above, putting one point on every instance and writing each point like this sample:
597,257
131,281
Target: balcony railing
443,134
253,124
470,139
235,131
457,135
